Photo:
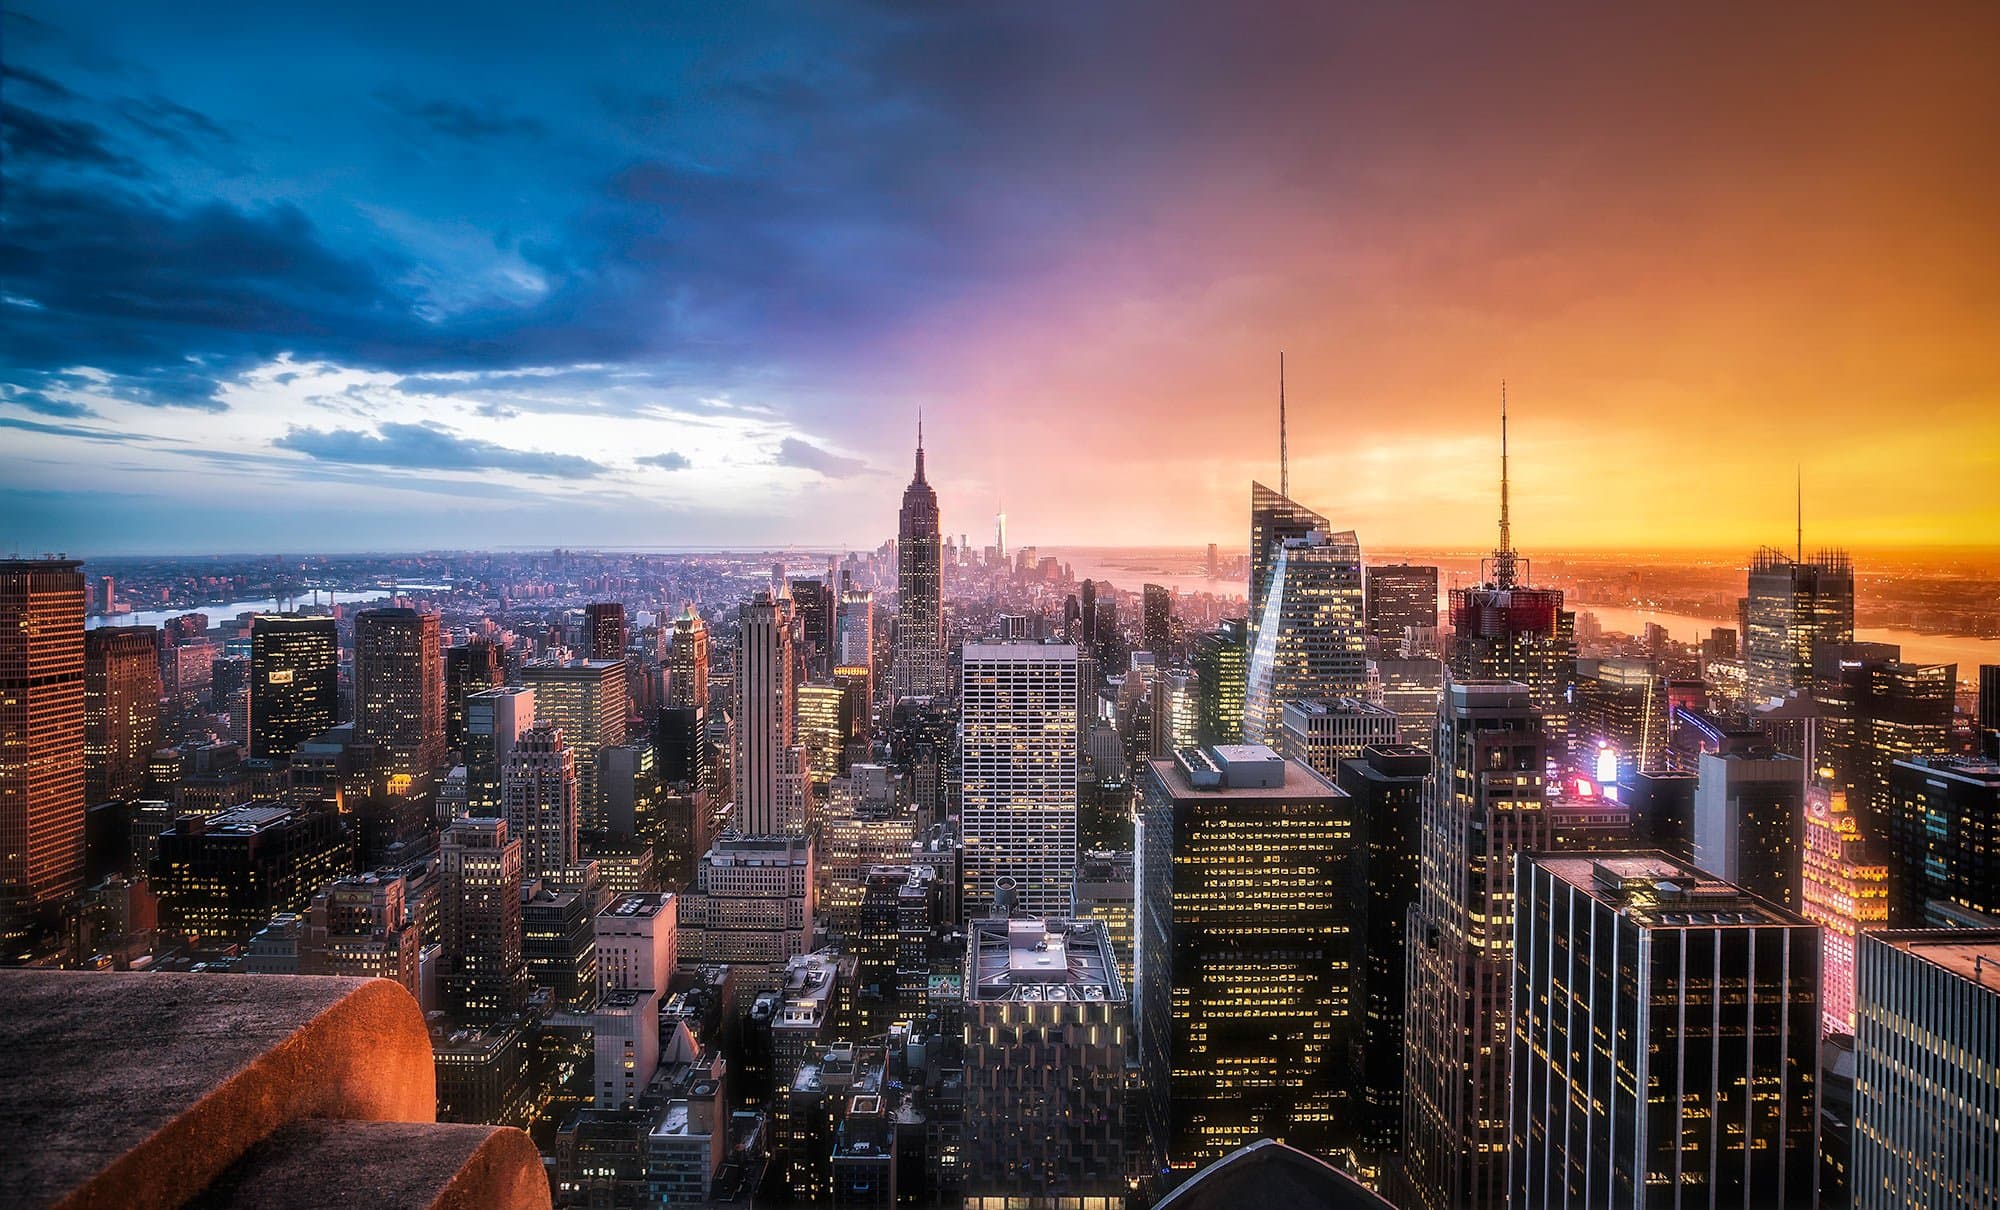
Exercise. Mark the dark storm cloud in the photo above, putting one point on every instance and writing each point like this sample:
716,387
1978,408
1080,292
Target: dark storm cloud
669,461
429,447
807,456
185,130
38,139
458,120
35,80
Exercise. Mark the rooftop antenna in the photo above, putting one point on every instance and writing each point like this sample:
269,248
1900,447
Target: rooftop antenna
1284,458
1503,558
920,443
1799,506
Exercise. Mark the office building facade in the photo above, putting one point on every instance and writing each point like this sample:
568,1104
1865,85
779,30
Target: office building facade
1018,774
399,690
121,710
294,682
918,669
1666,1046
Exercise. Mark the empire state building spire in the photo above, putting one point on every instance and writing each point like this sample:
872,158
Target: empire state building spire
919,668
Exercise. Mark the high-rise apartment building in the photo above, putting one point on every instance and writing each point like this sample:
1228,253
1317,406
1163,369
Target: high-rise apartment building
854,645
121,710
1320,733
484,975
1221,671
1387,786
469,668
1400,595
1665,1043
687,663
538,795
1926,1083
1942,839
1046,1087
1793,606
1844,891
495,720
1018,774
1749,817
294,682
1308,640
604,630
1486,802
399,690
769,767
586,699
918,669
1248,916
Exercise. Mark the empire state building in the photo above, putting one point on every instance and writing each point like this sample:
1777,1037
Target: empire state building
919,669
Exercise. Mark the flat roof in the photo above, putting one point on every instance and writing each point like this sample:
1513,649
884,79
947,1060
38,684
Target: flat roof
1300,782
1971,954
1659,891
1028,959
637,905
1023,651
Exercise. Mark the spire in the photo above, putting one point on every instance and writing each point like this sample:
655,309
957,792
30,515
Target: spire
1503,558
1284,462
1799,506
920,445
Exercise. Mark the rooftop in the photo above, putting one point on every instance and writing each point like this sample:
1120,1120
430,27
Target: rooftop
1239,771
1658,891
1042,960
637,905
1971,954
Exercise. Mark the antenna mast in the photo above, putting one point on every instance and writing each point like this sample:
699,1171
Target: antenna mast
1504,568
1799,505
1284,460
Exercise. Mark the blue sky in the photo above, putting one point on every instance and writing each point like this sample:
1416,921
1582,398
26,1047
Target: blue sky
372,275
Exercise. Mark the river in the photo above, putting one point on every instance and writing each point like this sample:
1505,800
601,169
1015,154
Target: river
228,610
1967,653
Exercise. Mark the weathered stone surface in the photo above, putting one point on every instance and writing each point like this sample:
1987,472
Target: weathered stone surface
138,1090
421,1166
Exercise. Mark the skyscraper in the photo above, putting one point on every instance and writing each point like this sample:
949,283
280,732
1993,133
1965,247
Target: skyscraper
294,682
586,699
399,689
604,630
1158,624
1793,606
1221,663
1018,767
1844,891
769,766
1875,711
1942,835
484,975
41,735
1749,817
1249,911
1307,636
360,926
814,604
1320,734
1485,803
1989,710
1665,1045
1045,1085
1503,630
469,668
687,662
1925,1090
919,666
121,710
854,646
1387,786
539,797
1400,595
494,721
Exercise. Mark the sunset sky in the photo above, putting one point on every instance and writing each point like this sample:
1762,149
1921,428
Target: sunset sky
387,276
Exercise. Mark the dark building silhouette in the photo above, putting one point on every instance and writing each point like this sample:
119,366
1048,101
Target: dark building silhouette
294,682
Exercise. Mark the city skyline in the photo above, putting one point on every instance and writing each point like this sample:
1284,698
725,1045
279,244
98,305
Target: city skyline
751,250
